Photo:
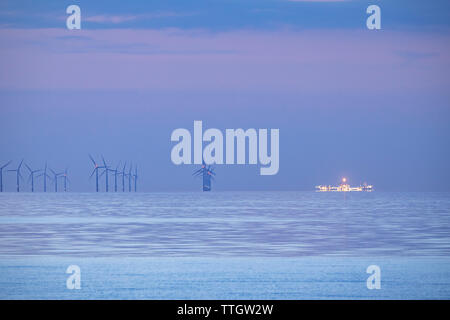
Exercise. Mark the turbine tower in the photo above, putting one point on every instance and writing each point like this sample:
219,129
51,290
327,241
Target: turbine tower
96,167
207,173
135,176
1,175
106,172
18,175
66,178
31,176
116,172
123,176
130,176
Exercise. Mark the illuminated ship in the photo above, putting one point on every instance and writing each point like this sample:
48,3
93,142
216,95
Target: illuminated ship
345,187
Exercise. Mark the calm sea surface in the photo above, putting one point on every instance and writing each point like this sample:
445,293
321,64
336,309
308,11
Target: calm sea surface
282,224
224,245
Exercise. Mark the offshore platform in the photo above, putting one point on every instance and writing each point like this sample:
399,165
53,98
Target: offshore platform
345,187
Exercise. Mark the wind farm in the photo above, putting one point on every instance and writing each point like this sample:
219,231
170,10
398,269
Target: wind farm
59,179
106,171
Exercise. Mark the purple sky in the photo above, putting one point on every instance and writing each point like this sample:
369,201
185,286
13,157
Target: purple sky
371,105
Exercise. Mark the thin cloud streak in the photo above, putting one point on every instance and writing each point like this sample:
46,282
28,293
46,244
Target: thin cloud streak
246,60
117,19
110,19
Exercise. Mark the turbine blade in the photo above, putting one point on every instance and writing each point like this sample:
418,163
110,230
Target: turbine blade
6,164
28,167
92,159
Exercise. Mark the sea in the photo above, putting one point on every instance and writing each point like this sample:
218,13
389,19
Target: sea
225,245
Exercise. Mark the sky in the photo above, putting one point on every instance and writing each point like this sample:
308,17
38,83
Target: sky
370,105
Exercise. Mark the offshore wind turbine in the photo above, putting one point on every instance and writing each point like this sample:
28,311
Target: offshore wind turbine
96,167
123,176
45,175
130,176
66,178
106,171
18,175
207,173
116,173
135,176
31,176
1,175
55,177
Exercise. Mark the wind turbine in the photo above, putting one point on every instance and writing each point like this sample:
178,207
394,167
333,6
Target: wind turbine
123,176
135,176
130,176
45,175
66,178
116,173
207,173
96,167
55,176
1,175
31,176
18,175
106,171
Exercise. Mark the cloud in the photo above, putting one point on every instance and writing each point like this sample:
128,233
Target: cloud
110,18
117,19
311,60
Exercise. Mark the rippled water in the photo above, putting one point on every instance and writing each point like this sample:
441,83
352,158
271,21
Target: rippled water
232,224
